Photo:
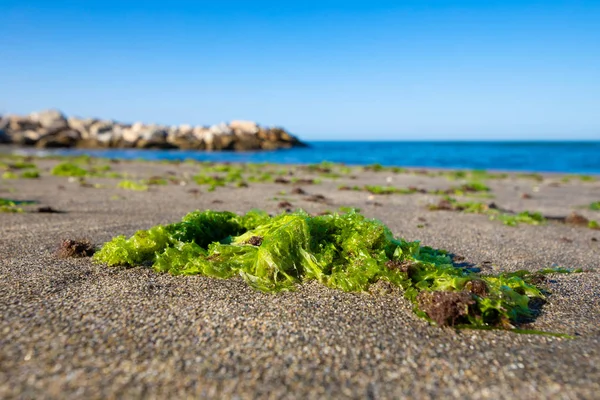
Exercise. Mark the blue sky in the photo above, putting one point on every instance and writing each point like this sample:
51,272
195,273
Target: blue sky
341,70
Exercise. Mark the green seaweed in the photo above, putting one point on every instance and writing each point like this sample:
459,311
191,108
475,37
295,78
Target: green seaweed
559,270
595,206
586,178
534,176
525,217
10,175
342,251
9,206
31,174
12,206
380,190
592,224
132,185
69,169
22,164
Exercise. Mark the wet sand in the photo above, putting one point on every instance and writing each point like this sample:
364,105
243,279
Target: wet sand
71,329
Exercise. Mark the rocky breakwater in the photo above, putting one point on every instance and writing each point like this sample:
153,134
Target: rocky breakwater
52,129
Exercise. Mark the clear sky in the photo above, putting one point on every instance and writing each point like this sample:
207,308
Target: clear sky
337,70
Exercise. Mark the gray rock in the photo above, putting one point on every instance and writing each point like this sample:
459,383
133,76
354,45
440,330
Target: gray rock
244,127
221,129
4,123
53,120
18,123
33,136
81,125
153,133
200,132
65,138
100,128
4,138
185,130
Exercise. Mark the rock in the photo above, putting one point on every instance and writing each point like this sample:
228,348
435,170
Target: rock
153,137
187,143
106,138
244,127
18,123
225,142
53,120
4,138
246,142
153,134
132,133
220,129
32,136
185,130
82,125
51,128
65,138
100,127
201,132
576,219
266,145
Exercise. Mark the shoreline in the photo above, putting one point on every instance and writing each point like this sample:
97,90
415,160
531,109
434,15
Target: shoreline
73,327
240,157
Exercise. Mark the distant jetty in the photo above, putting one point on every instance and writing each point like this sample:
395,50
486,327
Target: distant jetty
52,129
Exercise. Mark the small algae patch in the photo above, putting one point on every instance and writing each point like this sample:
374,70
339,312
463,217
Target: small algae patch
507,218
525,217
342,251
595,206
132,185
9,206
559,270
31,174
68,169
13,206
9,175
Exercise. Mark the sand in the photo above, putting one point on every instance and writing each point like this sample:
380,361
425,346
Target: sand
73,329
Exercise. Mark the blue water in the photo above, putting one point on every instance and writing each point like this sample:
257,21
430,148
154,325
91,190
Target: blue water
571,157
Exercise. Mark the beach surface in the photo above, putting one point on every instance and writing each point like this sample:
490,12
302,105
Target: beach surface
74,329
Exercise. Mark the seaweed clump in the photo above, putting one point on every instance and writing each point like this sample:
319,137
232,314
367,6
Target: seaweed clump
342,251
9,206
69,169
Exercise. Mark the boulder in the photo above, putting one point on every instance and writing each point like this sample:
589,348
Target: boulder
100,128
153,137
201,132
81,125
246,142
19,123
4,123
187,143
65,138
266,145
33,136
132,134
153,133
50,128
221,129
244,127
208,139
4,138
185,130
53,120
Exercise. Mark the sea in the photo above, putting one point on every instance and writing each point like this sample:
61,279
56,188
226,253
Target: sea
565,157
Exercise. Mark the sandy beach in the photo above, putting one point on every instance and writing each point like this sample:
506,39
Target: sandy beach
71,328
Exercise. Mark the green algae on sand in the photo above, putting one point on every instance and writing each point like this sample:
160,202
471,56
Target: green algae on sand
342,251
